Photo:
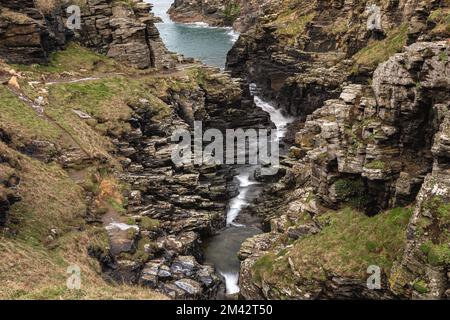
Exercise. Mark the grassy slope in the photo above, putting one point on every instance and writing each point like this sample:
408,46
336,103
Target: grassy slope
47,230
348,245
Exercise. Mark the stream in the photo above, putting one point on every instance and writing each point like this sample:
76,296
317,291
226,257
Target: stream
211,45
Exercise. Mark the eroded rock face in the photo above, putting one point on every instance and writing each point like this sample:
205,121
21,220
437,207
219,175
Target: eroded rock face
9,181
124,32
300,53
28,34
188,202
376,147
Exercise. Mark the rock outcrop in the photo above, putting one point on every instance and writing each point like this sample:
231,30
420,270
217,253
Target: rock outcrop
9,180
301,52
29,32
239,14
26,34
375,148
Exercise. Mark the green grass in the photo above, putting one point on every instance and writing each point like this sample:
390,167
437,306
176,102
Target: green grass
21,120
421,287
73,59
348,245
376,165
292,23
441,19
379,51
149,224
348,188
232,11
108,101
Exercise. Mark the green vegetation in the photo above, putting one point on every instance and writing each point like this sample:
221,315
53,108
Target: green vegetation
441,19
443,56
376,165
421,287
149,224
379,51
48,234
232,11
352,191
292,24
108,101
47,231
22,122
436,222
437,254
73,59
347,245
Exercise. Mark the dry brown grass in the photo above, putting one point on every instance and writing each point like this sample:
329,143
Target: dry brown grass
33,265
47,6
30,272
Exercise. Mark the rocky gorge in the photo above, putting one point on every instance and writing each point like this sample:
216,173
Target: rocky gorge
107,129
367,141
87,179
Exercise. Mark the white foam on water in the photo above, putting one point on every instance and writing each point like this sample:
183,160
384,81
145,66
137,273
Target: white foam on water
200,25
236,206
231,282
120,226
244,180
276,116
234,35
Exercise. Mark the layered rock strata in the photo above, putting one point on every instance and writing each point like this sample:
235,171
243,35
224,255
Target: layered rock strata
124,31
300,52
374,148
188,202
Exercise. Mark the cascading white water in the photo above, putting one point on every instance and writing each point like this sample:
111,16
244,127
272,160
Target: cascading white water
245,183
210,45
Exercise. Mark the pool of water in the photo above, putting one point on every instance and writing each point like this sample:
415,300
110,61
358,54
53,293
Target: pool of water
208,44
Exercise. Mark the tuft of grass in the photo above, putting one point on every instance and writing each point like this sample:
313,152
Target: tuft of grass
73,59
421,287
379,51
376,165
437,254
149,224
232,11
441,20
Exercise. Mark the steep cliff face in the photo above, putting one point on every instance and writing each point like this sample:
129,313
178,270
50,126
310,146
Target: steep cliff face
31,30
372,150
367,173
302,51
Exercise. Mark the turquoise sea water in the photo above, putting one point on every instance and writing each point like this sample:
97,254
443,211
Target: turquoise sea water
208,44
